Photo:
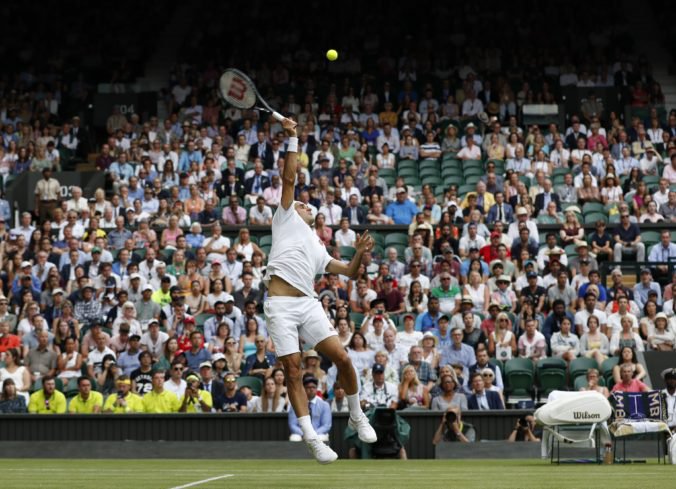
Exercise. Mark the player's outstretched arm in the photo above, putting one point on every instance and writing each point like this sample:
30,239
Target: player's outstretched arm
290,163
364,243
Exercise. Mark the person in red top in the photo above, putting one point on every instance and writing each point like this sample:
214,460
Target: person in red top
8,340
490,251
628,383
184,343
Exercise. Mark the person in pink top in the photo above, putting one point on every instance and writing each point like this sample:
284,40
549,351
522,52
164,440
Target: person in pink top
628,383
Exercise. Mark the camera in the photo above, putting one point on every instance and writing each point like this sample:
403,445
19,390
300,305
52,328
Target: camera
451,417
523,423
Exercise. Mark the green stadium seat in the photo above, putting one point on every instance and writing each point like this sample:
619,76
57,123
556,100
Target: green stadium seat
200,319
265,240
590,207
472,180
592,217
433,181
551,375
347,252
607,369
254,383
357,318
579,366
405,172
650,238
383,172
581,381
396,238
471,171
464,189
519,374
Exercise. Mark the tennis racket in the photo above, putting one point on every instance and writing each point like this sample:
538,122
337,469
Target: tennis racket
238,90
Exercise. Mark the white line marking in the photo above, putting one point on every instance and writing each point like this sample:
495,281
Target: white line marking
203,481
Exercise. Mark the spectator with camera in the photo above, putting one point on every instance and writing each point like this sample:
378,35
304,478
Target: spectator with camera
195,400
452,428
524,430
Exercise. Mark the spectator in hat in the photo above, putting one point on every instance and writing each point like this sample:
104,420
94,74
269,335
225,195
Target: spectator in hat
394,300
87,401
402,210
320,413
195,399
669,392
128,359
88,310
378,392
644,287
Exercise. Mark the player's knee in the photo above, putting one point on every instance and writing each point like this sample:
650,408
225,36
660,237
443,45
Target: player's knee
292,371
342,361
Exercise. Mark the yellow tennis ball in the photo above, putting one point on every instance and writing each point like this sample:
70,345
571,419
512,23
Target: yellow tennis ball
332,55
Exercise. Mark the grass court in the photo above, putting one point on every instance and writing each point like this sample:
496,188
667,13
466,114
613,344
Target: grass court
344,474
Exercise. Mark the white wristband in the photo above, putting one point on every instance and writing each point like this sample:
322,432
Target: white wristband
292,147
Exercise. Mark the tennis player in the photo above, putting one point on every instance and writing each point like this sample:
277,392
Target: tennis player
292,308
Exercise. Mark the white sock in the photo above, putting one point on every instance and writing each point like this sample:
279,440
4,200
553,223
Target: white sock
353,404
306,427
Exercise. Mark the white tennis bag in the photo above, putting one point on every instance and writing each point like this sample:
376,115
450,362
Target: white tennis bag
574,408
671,445
565,408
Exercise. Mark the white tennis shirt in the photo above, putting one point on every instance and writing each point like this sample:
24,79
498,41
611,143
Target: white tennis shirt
297,253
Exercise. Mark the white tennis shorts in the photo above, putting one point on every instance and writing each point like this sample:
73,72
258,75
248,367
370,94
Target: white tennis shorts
291,318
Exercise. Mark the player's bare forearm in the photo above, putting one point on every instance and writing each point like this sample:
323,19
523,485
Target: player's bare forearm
290,164
363,244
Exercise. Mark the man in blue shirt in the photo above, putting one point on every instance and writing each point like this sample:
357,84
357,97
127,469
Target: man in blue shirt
661,253
320,413
430,319
644,286
458,352
402,211
197,353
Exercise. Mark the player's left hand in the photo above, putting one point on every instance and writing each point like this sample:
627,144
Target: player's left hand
364,242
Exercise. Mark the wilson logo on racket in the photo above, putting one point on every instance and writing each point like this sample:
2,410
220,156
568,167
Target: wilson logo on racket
237,88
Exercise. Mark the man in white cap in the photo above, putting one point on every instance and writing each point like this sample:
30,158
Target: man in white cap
146,308
522,216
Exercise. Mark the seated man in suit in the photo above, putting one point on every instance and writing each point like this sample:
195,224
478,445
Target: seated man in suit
545,197
262,149
482,398
500,211
256,183
354,212
320,412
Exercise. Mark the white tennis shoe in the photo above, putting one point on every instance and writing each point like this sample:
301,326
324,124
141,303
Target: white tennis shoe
361,425
320,451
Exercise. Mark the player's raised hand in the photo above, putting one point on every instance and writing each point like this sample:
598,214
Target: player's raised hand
289,126
364,242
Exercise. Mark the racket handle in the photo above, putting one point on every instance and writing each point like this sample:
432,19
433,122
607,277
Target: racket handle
278,116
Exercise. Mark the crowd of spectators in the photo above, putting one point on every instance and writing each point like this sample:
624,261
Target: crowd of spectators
147,297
